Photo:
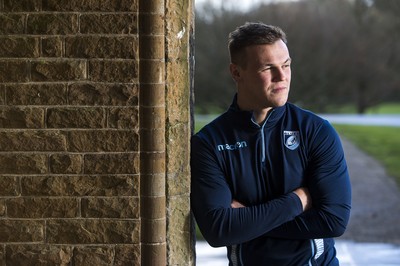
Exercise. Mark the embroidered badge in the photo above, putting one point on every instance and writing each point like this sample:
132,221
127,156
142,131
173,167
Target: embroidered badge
291,139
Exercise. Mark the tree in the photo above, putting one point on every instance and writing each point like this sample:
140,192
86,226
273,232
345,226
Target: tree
344,52
213,85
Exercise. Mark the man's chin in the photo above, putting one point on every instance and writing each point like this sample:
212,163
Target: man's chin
279,103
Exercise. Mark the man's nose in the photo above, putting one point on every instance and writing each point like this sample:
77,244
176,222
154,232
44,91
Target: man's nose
279,74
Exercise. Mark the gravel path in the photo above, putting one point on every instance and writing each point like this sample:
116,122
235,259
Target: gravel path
375,215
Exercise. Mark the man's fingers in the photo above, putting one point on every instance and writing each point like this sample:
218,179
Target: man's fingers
236,204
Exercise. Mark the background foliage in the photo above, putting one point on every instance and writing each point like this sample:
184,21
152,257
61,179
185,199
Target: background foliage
345,52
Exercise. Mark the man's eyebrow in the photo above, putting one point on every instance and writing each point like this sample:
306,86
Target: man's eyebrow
286,61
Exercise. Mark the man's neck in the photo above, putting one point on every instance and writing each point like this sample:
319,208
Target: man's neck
259,116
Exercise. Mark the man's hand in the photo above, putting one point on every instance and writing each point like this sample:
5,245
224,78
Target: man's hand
304,196
236,204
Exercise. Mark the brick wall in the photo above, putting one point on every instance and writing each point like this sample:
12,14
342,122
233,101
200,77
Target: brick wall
70,134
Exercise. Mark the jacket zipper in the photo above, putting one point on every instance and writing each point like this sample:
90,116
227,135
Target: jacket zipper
312,252
263,150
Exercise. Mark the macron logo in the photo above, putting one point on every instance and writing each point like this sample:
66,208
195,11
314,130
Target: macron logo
232,147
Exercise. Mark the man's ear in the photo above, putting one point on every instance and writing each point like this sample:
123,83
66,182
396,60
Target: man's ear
235,72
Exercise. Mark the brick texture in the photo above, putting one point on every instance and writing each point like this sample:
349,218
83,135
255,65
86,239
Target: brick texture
87,112
69,142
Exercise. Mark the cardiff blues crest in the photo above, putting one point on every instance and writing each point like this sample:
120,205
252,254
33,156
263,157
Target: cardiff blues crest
291,139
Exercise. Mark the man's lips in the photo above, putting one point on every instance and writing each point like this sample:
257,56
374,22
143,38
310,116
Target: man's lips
279,89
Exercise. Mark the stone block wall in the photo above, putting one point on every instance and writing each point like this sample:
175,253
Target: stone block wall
78,113
179,84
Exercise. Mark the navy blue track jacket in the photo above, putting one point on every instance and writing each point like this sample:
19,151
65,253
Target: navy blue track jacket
260,165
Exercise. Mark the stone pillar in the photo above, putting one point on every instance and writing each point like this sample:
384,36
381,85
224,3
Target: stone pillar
179,31
152,132
166,71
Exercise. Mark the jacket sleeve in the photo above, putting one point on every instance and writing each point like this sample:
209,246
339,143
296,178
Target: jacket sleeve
329,185
211,198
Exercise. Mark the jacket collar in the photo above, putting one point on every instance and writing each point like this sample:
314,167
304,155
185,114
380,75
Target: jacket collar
246,117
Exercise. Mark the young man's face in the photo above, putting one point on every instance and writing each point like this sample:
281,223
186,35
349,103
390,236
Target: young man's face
264,80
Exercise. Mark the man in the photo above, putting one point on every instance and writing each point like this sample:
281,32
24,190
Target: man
269,180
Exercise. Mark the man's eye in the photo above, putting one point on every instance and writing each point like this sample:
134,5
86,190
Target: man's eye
286,66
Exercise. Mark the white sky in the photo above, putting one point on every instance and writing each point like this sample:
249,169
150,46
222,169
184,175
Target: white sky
236,4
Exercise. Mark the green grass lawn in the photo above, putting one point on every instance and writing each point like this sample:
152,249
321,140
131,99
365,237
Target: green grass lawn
198,126
387,108
382,143
384,108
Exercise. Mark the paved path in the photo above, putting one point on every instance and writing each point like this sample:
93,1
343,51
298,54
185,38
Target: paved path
373,235
392,120
375,214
